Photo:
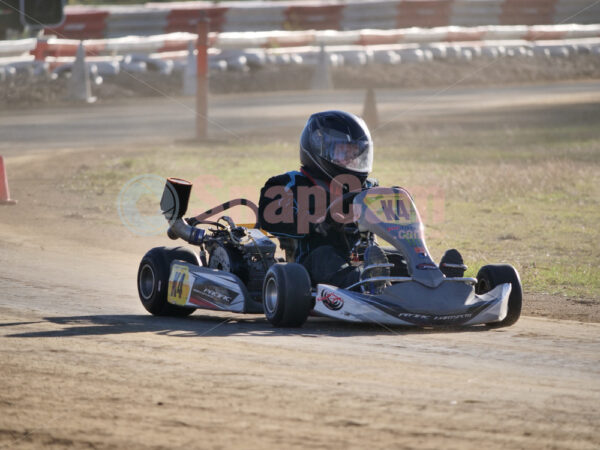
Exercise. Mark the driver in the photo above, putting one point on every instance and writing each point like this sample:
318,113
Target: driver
333,143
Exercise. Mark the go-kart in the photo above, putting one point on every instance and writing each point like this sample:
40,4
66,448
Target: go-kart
237,270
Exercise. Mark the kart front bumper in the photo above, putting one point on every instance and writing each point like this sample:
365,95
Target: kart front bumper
413,304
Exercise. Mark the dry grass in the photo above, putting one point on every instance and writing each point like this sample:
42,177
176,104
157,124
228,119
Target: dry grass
510,189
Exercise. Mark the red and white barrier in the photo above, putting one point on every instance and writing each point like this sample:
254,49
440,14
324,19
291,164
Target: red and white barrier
161,18
229,47
56,47
338,55
82,23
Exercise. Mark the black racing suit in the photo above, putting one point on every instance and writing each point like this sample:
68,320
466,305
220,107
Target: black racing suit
324,251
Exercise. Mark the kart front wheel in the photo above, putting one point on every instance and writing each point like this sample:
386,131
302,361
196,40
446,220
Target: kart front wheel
286,295
494,275
153,280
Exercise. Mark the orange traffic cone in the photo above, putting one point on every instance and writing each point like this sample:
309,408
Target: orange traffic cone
4,194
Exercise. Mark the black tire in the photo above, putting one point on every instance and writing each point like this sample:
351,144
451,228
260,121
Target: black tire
493,275
286,295
153,280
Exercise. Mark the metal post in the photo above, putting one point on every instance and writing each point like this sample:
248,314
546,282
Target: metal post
41,47
202,79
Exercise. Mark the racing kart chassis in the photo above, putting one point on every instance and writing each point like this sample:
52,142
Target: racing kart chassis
236,270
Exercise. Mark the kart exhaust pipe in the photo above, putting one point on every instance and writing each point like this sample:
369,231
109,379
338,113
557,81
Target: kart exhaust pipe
180,229
173,205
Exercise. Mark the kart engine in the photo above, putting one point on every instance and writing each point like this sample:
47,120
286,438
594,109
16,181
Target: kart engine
247,253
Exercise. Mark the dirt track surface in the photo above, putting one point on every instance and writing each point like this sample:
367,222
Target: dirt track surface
239,117
84,366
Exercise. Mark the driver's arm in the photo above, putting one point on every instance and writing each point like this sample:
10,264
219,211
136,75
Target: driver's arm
277,207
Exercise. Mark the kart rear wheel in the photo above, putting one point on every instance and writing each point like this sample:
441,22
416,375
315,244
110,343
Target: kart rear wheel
153,280
494,275
286,295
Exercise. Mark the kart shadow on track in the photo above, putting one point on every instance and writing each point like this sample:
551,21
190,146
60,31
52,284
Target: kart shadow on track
219,326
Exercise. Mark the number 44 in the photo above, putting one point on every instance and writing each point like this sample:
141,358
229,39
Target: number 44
177,285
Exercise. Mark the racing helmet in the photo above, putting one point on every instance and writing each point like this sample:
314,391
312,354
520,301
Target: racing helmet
334,143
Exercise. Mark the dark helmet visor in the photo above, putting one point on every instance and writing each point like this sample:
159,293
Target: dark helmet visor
342,150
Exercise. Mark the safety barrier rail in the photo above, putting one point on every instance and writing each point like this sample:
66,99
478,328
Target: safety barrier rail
337,55
160,18
56,47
